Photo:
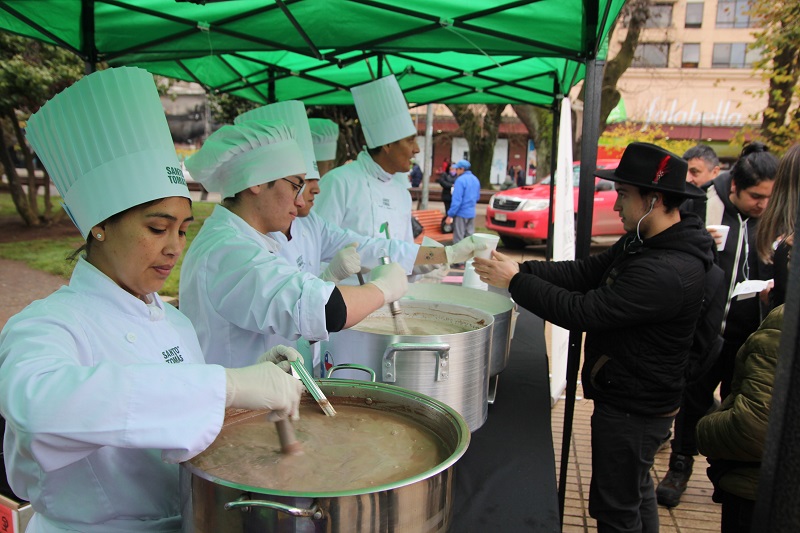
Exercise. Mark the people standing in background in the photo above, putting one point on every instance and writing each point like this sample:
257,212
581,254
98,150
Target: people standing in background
703,168
733,436
638,331
446,180
466,192
520,173
775,236
703,165
103,385
445,168
736,199
325,136
372,192
415,176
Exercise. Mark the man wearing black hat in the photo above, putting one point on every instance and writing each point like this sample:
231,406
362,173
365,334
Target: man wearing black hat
638,303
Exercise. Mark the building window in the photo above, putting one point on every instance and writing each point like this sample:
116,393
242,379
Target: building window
694,15
733,14
734,55
660,16
691,55
653,55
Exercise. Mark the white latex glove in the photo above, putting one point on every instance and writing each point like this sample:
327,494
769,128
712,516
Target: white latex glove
263,386
391,280
281,355
344,264
463,250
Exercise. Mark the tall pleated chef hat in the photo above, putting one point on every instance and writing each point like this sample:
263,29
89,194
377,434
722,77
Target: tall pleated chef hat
325,135
250,153
293,114
106,145
383,111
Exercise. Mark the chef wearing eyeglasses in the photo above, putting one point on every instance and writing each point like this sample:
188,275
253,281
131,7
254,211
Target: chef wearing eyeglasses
240,295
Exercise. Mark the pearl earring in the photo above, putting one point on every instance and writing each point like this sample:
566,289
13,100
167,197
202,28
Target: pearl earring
99,235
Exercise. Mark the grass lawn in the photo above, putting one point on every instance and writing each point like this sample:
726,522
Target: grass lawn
50,255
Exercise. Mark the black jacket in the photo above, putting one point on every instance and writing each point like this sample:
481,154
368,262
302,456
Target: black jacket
446,181
638,304
738,260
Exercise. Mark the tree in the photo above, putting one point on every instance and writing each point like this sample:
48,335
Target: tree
226,107
779,40
634,14
31,73
479,124
539,122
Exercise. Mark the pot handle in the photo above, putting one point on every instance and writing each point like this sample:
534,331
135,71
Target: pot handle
442,351
351,366
314,512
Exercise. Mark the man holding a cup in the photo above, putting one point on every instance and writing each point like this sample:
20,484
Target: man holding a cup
638,303
733,203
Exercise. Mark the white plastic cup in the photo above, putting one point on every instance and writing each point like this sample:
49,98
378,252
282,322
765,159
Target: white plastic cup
489,240
471,278
722,230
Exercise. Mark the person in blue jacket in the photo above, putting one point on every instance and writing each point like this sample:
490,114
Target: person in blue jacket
466,192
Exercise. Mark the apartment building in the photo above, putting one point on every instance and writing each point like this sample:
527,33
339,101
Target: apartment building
692,74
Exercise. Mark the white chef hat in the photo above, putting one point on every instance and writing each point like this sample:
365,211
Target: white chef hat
293,114
325,135
382,111
249,153
106,145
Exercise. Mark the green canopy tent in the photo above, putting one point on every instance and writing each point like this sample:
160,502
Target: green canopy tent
444,51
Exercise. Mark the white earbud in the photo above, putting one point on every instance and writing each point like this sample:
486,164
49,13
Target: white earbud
653,202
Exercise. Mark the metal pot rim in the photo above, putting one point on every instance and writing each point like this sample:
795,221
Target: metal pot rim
459,424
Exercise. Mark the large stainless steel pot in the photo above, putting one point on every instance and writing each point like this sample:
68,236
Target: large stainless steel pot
499,306
451,367
422,503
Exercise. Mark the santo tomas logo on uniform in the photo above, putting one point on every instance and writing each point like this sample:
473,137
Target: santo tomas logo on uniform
173,355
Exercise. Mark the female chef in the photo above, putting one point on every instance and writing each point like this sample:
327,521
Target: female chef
241,296
101,382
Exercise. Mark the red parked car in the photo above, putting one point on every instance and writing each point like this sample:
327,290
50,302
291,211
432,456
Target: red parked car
519,215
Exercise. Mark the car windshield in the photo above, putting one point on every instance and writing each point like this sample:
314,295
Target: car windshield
576,177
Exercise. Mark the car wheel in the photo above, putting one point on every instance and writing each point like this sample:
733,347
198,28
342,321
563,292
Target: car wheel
515,243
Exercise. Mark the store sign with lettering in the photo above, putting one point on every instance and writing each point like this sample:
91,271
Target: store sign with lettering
662,111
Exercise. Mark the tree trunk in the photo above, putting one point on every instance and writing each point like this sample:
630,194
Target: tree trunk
481,134
14,186
636,12
539,123
781,88
32,189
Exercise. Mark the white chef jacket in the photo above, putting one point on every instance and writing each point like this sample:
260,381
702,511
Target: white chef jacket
95,385
242,297
315,240
361,196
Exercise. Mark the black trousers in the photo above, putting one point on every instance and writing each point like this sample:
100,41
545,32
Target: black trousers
622,498
737,513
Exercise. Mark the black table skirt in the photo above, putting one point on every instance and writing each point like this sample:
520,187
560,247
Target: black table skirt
506,480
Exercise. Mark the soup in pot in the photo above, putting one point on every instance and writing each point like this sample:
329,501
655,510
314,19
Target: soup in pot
358,449
411,326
